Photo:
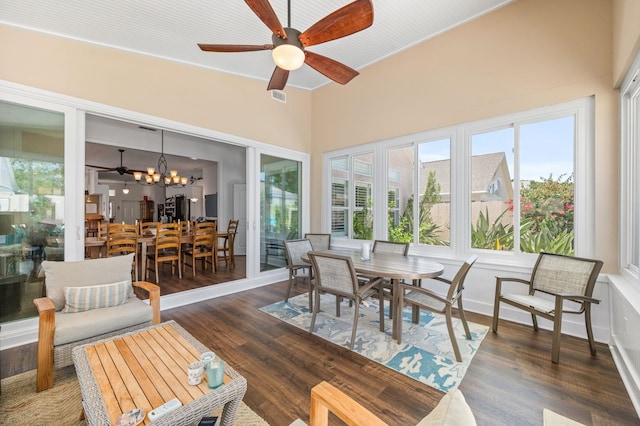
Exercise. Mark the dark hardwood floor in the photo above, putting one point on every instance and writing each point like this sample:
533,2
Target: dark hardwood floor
509,382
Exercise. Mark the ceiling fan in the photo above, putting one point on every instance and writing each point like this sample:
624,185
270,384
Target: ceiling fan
121,169
288,44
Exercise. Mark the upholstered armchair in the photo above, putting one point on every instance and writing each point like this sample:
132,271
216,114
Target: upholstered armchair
87,301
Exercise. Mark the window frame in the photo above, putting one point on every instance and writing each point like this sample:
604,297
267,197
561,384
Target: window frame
460,137
629,173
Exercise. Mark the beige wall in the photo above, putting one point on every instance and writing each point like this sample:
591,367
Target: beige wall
188,94
528,54
626,36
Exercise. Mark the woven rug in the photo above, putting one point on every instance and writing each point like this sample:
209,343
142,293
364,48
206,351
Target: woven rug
61,405
425,354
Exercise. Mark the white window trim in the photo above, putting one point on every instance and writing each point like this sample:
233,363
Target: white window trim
629,174
460,136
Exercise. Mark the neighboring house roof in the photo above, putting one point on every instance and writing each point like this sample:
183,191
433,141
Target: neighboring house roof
484,169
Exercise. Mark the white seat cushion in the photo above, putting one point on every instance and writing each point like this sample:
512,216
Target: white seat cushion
78,326
540,304
452,410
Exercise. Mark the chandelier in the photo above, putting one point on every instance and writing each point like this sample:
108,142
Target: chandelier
158,175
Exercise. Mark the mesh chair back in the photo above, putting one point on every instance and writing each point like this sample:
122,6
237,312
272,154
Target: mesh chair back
380,246
296,249
457,283
319,242
556,273
334,273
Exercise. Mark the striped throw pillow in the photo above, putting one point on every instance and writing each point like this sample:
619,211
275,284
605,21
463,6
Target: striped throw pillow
79,299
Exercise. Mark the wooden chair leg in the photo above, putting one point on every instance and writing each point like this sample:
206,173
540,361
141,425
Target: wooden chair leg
496,306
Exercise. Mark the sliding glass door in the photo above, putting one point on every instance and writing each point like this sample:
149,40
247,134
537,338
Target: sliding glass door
32,193
280,212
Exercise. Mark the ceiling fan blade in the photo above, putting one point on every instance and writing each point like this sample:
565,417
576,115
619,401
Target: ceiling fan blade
278,79
354,17
265,12
234,47
106,169
336,71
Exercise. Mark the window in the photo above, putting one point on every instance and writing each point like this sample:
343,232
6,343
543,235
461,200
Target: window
433,209
351,204
514,164
488,185
630,175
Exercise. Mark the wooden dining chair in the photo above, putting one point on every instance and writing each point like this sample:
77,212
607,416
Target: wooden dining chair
123,239
335,274
421,297
568,283
225,249
167,249
203,246
319,242
298,269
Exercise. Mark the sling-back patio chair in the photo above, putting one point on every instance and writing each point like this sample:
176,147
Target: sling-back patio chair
558,285
422,297
336,275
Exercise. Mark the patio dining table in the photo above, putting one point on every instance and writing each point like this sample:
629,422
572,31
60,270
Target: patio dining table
394,267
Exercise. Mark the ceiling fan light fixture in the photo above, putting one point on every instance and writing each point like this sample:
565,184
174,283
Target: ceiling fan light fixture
137,175
151,171
288,57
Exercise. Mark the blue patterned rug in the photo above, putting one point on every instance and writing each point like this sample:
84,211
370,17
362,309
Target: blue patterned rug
425,353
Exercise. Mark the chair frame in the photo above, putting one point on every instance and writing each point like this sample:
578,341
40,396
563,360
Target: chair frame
378,247
584,300
204,237
50,356
123,239
357,294
295,265
168,236
319,239
228,245
453,296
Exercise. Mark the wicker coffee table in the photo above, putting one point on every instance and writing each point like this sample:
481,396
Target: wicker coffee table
147,368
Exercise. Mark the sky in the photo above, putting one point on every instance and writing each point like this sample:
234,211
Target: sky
546,148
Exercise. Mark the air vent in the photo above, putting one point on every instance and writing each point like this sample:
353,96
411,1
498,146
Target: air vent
279,95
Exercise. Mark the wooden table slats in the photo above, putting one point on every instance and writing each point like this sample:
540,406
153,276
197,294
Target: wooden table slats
110,401
147,368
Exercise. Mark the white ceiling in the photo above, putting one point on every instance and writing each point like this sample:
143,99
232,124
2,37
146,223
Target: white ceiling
171,29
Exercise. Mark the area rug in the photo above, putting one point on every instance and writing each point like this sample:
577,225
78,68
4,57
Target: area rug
61,405
425,353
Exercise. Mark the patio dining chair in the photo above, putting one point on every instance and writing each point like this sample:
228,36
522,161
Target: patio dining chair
558,285
421,297
336,275
319,242
298,269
